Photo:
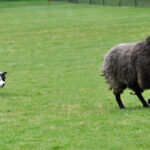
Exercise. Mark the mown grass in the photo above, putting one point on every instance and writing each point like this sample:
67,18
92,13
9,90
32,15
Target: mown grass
54,96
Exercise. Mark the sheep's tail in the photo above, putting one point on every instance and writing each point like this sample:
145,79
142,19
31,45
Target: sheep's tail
102,75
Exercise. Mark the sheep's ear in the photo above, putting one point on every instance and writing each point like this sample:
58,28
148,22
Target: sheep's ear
148,40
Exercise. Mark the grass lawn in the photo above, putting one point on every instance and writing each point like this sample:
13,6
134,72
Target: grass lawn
55,98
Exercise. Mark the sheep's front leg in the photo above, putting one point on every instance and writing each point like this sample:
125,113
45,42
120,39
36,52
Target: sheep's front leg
118,99
139,95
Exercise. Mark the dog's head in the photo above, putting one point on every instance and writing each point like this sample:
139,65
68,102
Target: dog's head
2,79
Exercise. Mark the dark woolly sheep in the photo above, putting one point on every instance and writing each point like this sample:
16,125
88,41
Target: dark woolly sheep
128,66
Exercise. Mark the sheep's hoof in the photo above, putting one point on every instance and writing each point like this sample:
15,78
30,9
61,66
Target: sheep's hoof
122,108
146,105
148,101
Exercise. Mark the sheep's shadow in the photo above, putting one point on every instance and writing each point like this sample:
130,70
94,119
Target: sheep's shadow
136,108
9,94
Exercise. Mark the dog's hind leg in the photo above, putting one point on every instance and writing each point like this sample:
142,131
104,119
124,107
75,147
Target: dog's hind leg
139,95
119,101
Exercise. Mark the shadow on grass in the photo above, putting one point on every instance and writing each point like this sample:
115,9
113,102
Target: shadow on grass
131,108
9,94
137,108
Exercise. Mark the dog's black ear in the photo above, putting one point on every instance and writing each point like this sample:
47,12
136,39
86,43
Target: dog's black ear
4,73
148,40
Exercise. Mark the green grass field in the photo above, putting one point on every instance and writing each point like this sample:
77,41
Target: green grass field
55,98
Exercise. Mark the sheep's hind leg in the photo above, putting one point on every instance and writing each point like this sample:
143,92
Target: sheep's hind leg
118,99
139,95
